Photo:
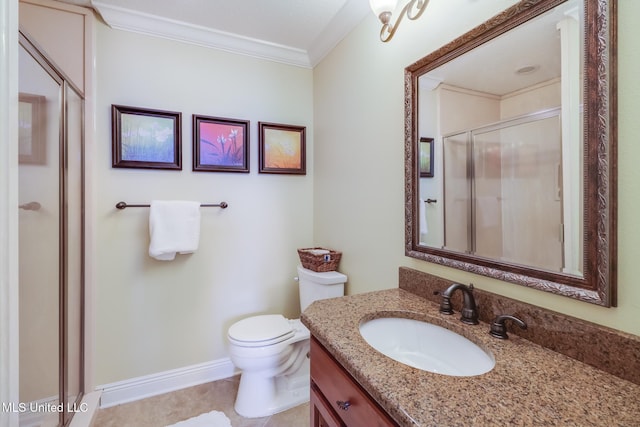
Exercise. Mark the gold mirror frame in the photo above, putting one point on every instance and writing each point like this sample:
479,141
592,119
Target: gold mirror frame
598,284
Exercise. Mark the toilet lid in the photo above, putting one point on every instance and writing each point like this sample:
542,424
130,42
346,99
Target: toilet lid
265,329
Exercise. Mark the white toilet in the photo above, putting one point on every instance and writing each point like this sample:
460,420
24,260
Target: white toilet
272,351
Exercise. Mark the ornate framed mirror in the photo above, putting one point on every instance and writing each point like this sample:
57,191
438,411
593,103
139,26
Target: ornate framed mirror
522,112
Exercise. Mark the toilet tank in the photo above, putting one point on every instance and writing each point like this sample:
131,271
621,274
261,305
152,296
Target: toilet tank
315,286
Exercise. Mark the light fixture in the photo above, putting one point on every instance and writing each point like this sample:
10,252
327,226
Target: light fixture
384,9
527,69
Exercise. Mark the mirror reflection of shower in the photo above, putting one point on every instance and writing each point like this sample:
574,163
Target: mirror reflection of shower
503,193
495,120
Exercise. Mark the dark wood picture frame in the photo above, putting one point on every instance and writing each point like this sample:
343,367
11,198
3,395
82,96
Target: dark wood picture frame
32,147
145,138
282,149
220,144
426,157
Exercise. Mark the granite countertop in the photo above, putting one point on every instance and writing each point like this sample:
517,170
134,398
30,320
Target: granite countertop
529,385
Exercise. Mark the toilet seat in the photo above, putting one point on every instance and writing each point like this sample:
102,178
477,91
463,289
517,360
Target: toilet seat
261,331
273,352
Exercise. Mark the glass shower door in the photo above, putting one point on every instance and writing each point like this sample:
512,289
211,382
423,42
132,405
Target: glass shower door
503,187
39,240
50,241
457,201
518,193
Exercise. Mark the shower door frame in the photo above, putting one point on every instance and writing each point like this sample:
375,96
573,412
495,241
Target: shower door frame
471,170
48,65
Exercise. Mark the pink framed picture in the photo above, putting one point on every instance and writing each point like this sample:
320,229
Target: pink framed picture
220,144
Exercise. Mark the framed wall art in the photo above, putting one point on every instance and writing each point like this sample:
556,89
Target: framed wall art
220,145
426,157
144,138
281,149
32,147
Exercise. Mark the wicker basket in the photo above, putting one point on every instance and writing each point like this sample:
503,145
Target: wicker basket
319,262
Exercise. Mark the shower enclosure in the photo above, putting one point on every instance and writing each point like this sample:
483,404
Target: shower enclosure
503,187
51,264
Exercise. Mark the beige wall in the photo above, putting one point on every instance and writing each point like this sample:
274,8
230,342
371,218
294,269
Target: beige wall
153,316
42,20
461,110
359,179
543,96
359,151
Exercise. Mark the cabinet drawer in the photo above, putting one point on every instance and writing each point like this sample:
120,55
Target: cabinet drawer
347,398
321,413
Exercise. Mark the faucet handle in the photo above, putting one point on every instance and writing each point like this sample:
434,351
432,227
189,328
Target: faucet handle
499,329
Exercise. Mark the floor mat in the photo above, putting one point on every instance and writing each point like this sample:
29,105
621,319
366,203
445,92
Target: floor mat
210,419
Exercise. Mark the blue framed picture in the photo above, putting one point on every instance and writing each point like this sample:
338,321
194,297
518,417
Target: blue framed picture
148,139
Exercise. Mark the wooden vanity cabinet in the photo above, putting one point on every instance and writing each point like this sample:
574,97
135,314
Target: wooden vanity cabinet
337,400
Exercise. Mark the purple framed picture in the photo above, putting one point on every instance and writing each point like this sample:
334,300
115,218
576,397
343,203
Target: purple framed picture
148,139
220,145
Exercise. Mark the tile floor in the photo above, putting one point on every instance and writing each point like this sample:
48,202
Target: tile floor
166,409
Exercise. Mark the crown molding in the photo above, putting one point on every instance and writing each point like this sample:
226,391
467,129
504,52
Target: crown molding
350,15
143,23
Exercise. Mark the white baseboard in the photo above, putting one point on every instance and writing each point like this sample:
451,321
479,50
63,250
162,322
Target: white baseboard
86,411
164,382
38,412
46,412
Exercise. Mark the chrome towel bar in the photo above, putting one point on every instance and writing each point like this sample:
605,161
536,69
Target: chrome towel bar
124,205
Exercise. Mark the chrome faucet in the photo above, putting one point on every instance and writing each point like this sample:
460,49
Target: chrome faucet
469,309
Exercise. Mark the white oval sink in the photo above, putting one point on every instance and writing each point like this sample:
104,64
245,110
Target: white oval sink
426,346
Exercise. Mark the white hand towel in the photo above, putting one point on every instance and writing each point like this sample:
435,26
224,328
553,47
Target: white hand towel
174,226
422,208
318,251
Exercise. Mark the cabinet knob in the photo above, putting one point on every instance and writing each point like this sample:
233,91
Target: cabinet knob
343,405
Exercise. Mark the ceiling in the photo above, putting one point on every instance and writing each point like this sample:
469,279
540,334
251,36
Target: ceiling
302,32
297,32
493,67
